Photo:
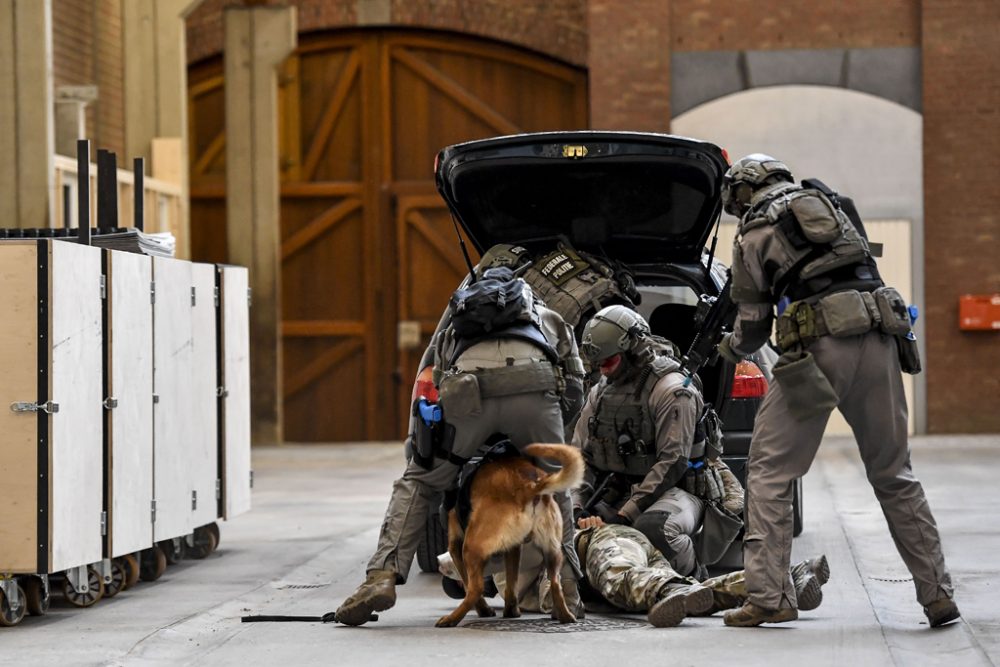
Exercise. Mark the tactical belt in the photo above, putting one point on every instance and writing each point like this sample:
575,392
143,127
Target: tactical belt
510,380
804,322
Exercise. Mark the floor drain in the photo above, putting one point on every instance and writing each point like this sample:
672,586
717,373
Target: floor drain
548,625
285,587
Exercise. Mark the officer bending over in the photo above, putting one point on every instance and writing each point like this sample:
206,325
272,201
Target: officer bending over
499,370
844,338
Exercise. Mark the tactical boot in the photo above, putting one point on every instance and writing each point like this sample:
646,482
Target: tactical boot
750,615
818,566
698,600
378,593
669,611
941,611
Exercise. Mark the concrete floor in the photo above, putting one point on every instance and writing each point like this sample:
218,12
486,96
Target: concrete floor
315,521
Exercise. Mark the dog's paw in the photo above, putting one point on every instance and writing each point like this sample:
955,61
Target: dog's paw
512,613
486,611
446,622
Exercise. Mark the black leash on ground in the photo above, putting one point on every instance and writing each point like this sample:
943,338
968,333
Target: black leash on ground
330,617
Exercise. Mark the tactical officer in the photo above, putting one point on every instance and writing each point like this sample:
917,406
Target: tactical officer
843,336
640,428
503,364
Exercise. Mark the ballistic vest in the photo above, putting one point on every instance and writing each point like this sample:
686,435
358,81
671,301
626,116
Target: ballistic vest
622,433
825,251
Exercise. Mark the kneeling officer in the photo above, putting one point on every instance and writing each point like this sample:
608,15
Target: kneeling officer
503,364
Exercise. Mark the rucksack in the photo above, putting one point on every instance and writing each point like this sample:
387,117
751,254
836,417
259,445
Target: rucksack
495,302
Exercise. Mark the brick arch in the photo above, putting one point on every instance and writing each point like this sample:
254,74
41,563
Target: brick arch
555,28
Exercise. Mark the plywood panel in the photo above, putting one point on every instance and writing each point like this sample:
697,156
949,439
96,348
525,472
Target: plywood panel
172,371
204,455
130,382
76,460
18,432
236,381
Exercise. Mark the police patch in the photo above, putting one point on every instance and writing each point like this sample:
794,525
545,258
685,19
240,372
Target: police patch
561,266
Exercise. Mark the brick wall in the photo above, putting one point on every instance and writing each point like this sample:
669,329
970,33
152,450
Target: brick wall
553,27
87,43
961,70
629,65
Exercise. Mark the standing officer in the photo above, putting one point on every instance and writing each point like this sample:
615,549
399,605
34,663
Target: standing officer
843,336
504,363
642,423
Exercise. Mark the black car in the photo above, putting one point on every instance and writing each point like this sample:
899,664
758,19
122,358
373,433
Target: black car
648,200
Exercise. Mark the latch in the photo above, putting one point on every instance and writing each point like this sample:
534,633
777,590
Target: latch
152,291
251,479
194,499
218,489
216,297
104,287
110,403
48,407
249,297
104,523
194,298
152,511
221,392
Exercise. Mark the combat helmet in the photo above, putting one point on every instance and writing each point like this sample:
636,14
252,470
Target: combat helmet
748,174
612,330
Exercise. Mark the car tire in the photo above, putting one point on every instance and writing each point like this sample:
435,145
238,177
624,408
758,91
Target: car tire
435,540
797,524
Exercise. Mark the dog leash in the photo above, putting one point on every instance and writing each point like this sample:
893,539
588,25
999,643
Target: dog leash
329,617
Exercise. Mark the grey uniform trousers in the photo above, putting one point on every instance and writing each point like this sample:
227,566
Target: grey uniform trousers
677,515
864,372
525,418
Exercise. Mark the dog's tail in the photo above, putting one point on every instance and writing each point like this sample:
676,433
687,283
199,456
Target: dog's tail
571,474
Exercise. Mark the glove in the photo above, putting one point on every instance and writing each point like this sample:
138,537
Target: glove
726,349
579,513
608,513
618,519
704,482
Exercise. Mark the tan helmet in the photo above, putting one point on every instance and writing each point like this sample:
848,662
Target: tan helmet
611,331
748,174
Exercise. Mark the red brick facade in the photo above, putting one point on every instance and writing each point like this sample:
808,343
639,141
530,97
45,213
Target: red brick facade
627,47
961,70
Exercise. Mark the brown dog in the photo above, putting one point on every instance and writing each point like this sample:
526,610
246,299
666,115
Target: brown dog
512,505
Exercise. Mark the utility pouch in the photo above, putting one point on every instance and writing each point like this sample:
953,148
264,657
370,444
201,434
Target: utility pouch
719,529
460,395
817,217
845,314
426,427
894,311
804,385
909,354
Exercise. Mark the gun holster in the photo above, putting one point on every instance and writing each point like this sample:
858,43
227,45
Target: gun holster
431,440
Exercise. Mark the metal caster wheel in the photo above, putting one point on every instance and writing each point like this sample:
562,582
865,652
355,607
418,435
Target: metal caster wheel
131,565
36,594
202,543
94,592
152,564
12,614
118,576
173,549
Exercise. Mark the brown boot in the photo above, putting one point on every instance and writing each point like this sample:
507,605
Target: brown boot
750,615
941,611
669,611
698,599
809,577
377,593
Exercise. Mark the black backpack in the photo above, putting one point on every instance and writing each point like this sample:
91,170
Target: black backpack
492,303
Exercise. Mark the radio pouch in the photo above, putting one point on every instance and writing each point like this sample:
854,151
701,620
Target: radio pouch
909,354
804,386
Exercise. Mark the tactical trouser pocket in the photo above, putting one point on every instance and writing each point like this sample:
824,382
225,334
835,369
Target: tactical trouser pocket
804,385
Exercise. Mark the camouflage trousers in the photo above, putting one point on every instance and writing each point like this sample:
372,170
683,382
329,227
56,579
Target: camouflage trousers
627,570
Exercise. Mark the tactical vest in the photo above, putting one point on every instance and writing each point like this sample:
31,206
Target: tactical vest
824,250
622,431
572,284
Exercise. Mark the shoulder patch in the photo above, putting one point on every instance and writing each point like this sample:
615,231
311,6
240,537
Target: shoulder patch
683,392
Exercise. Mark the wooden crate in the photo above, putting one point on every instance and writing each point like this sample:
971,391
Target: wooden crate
50,350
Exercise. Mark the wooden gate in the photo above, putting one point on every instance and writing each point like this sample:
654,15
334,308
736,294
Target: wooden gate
369,255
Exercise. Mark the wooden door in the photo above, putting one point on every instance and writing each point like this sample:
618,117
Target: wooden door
368,250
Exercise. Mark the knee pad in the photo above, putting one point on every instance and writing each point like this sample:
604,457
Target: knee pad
651,525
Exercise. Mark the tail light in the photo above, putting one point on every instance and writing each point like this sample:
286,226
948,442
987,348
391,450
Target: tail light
424,386
748,381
